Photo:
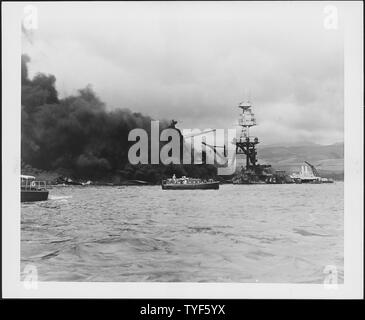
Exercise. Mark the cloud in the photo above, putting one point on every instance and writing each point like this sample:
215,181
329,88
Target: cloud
195,62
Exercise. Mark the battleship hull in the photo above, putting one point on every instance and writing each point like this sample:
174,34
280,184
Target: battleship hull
248,182
190,186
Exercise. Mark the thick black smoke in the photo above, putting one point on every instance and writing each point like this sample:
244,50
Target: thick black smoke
76,136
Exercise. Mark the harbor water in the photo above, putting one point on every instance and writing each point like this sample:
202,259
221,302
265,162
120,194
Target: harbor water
239,233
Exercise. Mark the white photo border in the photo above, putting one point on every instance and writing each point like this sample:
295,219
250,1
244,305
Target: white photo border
351,14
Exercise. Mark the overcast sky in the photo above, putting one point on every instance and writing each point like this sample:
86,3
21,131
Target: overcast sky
194,62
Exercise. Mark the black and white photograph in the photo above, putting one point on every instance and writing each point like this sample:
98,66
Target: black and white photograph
182,149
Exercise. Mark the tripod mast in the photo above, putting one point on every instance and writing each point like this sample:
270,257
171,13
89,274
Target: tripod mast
246,144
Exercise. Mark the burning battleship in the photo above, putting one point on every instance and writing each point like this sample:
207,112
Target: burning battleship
248,170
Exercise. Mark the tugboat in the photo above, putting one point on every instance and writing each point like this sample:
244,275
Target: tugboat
185,183
32,190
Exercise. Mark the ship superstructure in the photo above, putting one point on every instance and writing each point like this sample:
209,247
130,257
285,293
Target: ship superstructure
249,171
246,144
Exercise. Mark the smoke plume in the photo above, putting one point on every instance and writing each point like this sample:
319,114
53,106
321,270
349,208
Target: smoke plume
77,136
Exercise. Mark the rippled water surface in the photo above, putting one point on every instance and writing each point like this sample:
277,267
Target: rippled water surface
239,233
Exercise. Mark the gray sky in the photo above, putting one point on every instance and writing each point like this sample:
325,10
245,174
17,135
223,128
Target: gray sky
194,62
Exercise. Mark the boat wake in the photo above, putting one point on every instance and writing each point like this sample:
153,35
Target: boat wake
59,197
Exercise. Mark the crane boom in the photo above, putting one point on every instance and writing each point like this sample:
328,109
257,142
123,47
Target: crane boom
198,134
314,170
215,151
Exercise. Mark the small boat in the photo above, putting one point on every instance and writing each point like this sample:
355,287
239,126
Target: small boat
185,183
32,190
